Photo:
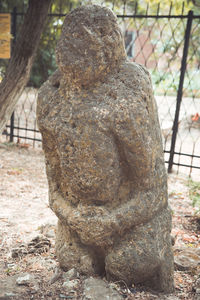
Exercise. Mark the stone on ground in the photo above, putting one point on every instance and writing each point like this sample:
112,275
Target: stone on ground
95,289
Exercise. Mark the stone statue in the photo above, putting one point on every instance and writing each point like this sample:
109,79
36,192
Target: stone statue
104,157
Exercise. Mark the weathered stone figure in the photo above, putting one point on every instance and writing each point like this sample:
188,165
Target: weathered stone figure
104,158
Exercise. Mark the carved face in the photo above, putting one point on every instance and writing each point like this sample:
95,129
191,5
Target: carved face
91,44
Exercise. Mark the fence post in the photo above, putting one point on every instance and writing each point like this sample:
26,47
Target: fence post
12,121
180,89
13,32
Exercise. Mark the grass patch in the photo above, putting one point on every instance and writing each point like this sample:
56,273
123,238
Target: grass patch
194,193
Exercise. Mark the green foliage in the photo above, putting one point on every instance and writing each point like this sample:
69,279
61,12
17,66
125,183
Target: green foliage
166,83
8,5
178,6
194,193
175,40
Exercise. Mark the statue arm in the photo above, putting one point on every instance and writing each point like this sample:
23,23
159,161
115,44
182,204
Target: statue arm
45,93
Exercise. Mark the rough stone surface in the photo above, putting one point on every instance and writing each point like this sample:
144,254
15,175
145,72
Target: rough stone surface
71,274
57,274
188,259
70,285
24,280
104,157
95,289
9,286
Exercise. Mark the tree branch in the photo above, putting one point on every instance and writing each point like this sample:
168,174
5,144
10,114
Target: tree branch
19,68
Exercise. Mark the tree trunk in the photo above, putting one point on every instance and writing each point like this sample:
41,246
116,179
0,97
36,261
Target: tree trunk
18,71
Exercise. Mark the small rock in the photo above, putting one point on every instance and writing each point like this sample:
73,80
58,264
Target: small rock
63,296
96,289
198,291
11,265
33,292
57,274
187,259
86,264
24,280
10,294
71,274
71,285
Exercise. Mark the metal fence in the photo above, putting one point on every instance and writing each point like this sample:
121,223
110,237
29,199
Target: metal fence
168,45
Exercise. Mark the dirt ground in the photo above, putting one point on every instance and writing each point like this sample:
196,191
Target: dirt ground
25,214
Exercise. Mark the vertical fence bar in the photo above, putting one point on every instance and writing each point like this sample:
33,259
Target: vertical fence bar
180,89
12,121
13,32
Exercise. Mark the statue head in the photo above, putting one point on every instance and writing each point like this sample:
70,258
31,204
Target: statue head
90,46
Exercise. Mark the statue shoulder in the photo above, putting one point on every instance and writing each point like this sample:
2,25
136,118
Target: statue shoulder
51,84
135,70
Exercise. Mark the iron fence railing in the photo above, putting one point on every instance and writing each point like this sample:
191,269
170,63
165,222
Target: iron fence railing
168,45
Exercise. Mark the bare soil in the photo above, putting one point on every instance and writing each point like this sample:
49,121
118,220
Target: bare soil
25,214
